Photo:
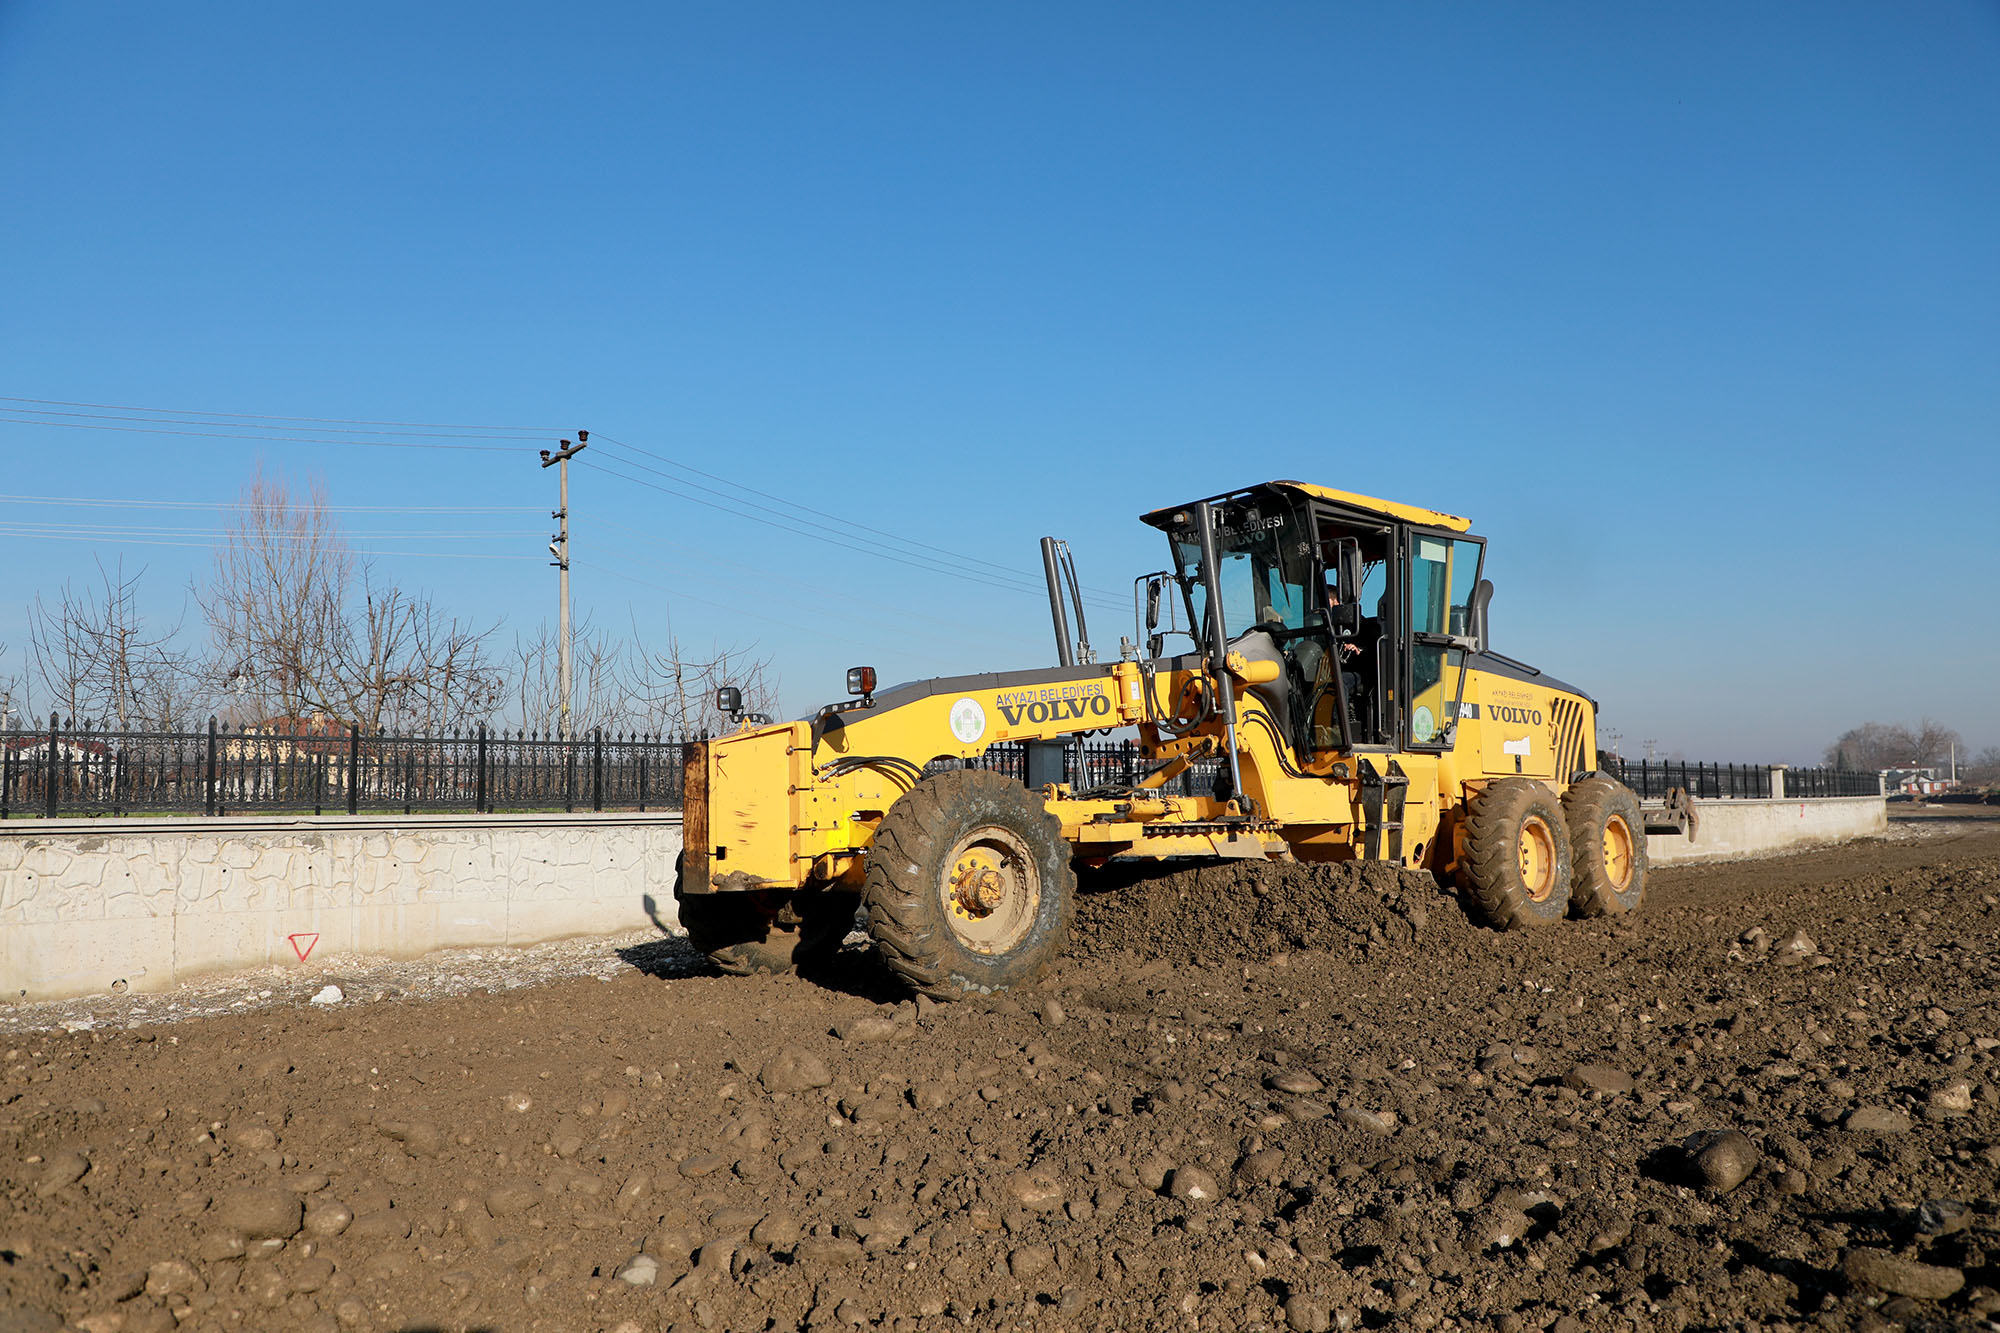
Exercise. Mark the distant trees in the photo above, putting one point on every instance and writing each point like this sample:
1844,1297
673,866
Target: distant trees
96,655
1874,746
300,625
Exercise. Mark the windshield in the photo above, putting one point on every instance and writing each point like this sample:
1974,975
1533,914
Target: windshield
1265,568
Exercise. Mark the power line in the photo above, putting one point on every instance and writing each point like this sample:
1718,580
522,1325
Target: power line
99,502
533,431
36,417
899,558
118,539
158,530
845,523
269,439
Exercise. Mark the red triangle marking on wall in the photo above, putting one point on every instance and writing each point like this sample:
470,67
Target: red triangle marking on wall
310,940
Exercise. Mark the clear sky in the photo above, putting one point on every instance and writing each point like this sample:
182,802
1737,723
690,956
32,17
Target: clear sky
1693,308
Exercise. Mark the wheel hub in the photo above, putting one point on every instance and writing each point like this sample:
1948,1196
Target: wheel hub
977,886
991,890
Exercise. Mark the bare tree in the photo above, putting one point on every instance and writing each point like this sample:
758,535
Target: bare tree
602,698
15,704
1873,746
674,690
302,626
98,658
1934,745
1983,767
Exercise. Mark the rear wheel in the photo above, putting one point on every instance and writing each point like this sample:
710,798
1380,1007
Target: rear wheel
969,885
1517,854
1607,847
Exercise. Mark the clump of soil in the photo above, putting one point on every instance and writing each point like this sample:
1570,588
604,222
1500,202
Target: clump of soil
1250,910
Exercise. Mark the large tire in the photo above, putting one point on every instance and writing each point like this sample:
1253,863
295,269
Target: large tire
826,916
969,886
1517,854
743,932
1607,838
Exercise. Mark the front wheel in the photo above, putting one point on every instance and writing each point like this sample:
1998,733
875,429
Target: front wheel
969,885
1517,854
1607,847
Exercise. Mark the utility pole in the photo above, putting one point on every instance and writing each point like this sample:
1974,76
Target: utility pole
559,548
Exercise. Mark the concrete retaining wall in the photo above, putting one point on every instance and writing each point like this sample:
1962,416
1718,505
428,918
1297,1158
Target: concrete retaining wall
149,902
1727,829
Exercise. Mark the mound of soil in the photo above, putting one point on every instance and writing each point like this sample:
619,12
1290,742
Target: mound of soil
1250,910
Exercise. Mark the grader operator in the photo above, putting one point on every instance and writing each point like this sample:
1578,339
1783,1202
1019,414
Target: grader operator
1338,676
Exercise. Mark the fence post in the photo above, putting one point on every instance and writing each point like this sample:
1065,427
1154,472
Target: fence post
49,773
479,785
208,801
642,781
597,770
1777,782
353,768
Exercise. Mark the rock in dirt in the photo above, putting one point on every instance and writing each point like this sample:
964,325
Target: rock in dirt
1037,1191
1307,1313
641,1270
794,1070
329,995
1029,1260
1942,1217
1598,1078
328,1219
1380,1123
832,1251
260,1214
60,1170
1876,1120
1951,1098
513,1198
1191,1184
1265,1164
1904,1277
1296,1081
868,1028
1722,1159
173,1277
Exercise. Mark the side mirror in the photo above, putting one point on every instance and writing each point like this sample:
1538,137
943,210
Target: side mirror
1154,642
729,701
1350,572
1482,597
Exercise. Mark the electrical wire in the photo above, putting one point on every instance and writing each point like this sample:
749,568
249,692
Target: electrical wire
94,502
273,416
270,439
911,562
808,509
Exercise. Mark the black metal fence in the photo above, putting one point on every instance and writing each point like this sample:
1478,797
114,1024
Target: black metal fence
1653,779
328,768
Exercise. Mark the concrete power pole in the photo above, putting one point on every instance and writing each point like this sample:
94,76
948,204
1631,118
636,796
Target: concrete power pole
559,548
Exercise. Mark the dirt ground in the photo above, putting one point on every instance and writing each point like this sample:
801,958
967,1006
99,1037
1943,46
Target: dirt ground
1250,1099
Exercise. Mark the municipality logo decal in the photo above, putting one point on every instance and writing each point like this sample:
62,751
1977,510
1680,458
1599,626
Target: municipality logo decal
968,720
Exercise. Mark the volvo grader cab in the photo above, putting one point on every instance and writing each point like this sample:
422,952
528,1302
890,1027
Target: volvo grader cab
1323,655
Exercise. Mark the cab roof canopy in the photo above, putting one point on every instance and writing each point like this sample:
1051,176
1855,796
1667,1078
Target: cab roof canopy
1163,518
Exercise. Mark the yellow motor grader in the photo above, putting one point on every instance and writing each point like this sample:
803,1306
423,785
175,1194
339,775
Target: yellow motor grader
1337,683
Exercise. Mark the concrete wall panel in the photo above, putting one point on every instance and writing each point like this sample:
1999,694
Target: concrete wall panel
1730,829
84,904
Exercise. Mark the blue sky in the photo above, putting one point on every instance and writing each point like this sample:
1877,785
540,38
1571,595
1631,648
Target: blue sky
1693,309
